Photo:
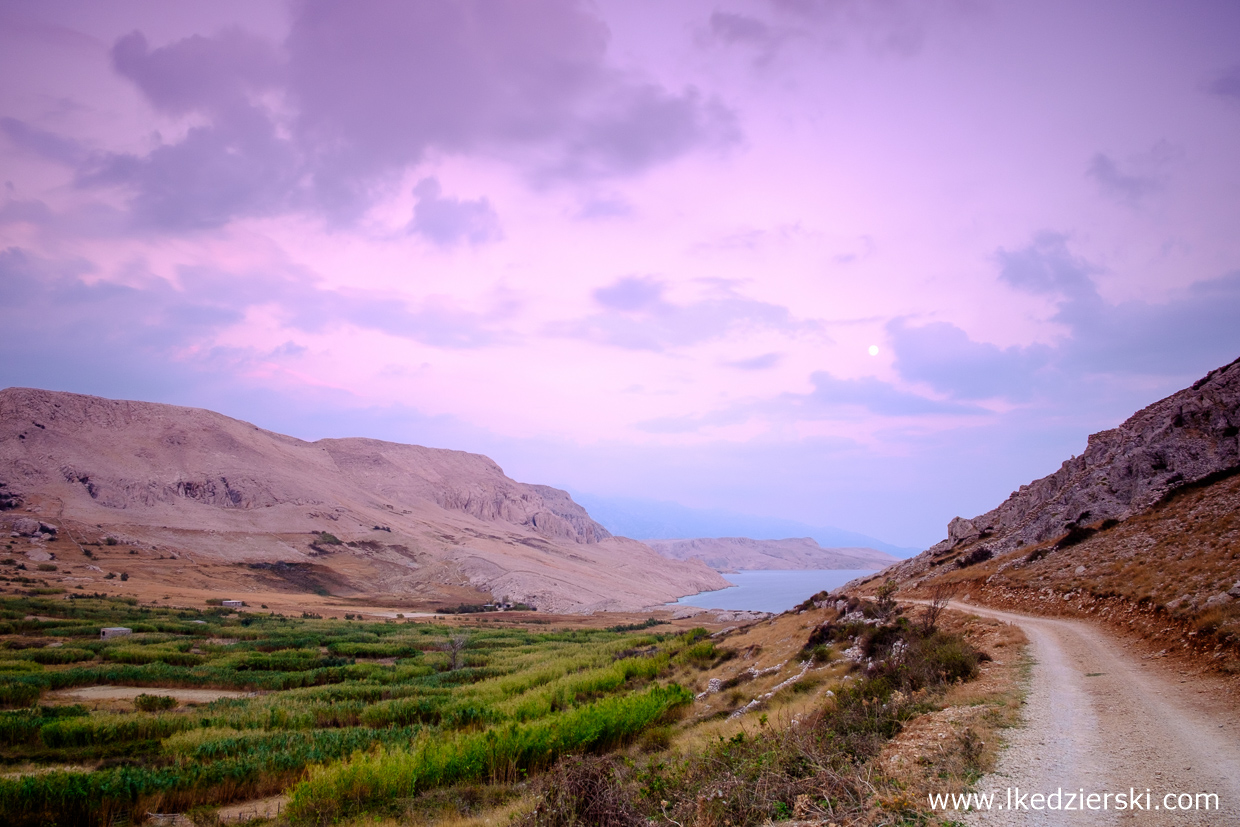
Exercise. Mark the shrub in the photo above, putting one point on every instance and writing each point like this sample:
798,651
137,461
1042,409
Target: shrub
46,567
57,655
154,703
585,790
18,694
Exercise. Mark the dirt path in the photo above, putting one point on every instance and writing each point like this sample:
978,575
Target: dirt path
128,693
1101,718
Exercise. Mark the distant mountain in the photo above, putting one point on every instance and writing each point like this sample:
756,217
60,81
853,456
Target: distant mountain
252,510
658,520
745,554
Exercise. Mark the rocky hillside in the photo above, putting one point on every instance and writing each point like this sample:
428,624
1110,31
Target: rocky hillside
1181,440
744,554
1143,529
408,518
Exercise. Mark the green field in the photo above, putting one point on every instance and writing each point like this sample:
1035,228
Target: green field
356,721
427,704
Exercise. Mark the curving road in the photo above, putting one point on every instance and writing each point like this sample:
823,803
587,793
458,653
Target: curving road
1101,718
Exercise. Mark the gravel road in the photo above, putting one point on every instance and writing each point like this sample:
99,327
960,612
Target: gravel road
1101,717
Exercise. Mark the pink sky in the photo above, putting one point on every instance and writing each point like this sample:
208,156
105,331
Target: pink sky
635,249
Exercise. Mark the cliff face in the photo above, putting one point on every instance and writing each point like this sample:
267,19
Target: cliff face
1186,438
159,469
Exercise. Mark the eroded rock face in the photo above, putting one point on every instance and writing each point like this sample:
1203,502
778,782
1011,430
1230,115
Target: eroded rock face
1182,439
411,521
136,455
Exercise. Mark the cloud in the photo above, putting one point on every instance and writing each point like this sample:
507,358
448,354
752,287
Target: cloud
1127,188
41,142
945,358
206,301
238,166
199,73
377,86
1191,332
448,221
747,31
643,127
832,395
1226,83
637,317
602,207
25,211
895,26
1047,267
631,294
763,362
740,28
354,95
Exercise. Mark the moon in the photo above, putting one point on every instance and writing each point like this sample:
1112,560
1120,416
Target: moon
873,350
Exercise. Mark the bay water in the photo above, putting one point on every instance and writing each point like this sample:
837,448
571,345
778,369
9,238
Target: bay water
770,590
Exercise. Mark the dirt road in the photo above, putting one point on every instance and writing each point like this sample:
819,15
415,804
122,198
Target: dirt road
1101,718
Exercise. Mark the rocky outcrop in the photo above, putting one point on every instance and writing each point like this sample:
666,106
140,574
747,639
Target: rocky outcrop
1184,439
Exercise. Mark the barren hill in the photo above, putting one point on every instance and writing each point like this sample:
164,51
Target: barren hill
744,554
248,507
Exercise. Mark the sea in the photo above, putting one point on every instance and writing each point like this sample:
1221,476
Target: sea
770,590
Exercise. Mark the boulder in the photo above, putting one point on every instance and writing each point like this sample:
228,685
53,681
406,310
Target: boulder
961,530
26,527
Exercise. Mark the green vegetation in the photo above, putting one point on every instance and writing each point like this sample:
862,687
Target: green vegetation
357,719
397,708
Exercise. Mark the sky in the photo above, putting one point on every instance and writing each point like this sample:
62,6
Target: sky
861,263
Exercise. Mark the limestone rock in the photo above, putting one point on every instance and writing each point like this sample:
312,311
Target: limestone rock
1178,441
26,527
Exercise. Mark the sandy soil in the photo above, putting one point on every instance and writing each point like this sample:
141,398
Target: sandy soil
128,693
1100,717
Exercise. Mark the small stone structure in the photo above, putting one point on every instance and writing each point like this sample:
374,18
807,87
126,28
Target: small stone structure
233,604
114,631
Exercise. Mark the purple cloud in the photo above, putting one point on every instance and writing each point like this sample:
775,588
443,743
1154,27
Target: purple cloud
632,294
367,90
1195,327
448,221
1047,267
763,362
1121,186
638,317
238,166
1226,83
945,358
41,142
207,300
740,28
199,73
